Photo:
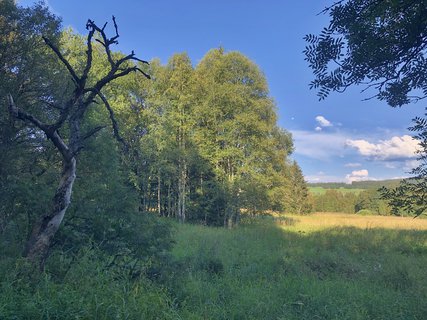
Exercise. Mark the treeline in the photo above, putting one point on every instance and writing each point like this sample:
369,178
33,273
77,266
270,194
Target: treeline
204,142
366,202
368,184
195,143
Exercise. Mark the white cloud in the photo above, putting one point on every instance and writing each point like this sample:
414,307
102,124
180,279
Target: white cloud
318,129
359,175
323,122
322,177
352,165
319,145
411,164
397,148
391,165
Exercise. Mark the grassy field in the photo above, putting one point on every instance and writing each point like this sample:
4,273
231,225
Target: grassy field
320,190
323,266
323,220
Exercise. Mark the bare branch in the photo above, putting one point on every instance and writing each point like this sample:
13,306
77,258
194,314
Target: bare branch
49,131
90,25
146,75
65,112
117,30
22,115
130,56
91,132
70,69
112,75
89,58
116,132
330,7
99,41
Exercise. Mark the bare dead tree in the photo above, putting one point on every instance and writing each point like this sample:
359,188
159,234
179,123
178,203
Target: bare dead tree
71,116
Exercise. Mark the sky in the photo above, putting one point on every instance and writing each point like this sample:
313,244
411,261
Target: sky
340,139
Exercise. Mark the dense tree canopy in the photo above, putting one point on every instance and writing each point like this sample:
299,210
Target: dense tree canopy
211,145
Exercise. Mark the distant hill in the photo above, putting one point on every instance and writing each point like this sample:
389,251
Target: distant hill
358,184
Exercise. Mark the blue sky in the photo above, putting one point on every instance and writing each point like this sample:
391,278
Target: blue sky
339,139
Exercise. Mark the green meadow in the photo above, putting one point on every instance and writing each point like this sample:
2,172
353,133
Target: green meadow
322,190
288,269
321,266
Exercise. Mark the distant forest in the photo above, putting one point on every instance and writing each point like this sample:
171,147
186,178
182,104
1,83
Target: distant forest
361,197
370,184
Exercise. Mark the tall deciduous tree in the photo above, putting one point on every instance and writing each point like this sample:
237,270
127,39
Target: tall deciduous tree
237,130
63,123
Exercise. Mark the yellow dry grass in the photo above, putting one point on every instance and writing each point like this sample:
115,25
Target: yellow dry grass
320,221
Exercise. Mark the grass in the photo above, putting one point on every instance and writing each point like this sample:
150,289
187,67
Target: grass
322,221
311,267
321,266
317,191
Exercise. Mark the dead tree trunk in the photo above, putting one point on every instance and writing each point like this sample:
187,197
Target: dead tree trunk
71,115
38,245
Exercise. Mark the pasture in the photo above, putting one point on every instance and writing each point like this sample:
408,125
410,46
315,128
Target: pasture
322,266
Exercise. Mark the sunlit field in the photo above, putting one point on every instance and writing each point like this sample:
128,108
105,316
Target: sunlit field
320,266
319,221
321,190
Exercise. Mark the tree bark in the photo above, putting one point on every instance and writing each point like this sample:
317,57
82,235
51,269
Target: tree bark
159,202
182,182
37,247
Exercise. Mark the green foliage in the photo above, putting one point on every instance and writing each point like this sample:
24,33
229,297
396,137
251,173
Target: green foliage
357,186
381,43
322,190
26,171
296,193
348,200
411,194
104,209
211,145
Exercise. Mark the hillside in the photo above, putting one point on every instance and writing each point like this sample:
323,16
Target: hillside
358,184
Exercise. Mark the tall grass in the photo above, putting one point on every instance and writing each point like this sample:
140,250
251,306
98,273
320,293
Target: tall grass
88,290
294,271
324,266
322,221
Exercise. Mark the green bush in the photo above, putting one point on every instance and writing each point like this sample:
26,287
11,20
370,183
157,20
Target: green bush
89,290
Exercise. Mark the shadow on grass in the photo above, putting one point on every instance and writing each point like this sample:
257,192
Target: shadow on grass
270,272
